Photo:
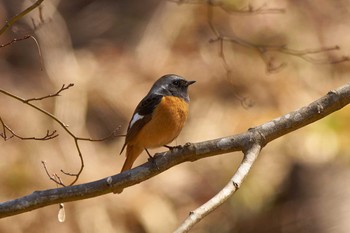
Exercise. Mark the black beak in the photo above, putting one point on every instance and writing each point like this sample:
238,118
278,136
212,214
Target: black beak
190,82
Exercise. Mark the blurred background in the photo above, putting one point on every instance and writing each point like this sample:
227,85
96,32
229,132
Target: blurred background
113,51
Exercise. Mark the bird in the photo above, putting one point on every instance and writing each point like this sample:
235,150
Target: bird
158,119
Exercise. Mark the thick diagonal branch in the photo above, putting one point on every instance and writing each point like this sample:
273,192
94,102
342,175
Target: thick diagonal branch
262,135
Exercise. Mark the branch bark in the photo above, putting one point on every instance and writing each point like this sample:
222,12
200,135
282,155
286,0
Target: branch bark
253,139
197,215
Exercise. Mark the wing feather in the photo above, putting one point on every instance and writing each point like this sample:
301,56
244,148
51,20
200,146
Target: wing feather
142,115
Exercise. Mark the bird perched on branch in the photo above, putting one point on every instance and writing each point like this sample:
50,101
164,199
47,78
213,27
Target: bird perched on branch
158,118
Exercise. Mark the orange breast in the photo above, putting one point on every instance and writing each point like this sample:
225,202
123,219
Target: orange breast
167,121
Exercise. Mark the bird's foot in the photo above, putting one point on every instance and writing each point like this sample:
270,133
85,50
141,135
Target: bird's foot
173,147
152,160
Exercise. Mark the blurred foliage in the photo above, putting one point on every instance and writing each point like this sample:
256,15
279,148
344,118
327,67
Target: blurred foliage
114,50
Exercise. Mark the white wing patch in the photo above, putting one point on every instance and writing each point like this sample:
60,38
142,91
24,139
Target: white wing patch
135,118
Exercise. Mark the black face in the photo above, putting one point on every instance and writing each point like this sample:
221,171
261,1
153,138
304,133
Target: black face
178,85
172,85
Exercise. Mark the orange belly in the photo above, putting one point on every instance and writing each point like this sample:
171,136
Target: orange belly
167,121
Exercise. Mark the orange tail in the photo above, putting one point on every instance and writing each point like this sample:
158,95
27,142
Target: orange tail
132,153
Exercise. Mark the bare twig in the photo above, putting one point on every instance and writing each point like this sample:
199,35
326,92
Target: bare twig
303,54
111,135
248,10
13,20
63,125
63,88
49,135
250,142
15,40
262,50
54,177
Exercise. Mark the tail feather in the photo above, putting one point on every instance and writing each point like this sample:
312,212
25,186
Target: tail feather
121,151
132,153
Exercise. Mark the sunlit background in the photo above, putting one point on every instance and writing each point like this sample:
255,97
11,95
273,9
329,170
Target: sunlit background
113,51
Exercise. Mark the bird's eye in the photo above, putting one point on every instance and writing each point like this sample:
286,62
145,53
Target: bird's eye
176,83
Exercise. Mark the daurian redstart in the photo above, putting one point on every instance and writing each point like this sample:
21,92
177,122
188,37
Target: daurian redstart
158,118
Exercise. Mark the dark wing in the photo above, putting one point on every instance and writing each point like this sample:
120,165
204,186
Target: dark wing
144,109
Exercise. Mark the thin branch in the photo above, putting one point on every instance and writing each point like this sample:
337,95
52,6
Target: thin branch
262,50
111,135
305,53
63,88
250,141
63,125
235,183
37,108
49,135
82,164
248,10
15,40
245,102
13,20
55,178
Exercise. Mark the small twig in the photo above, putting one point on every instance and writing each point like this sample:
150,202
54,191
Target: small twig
15,40
59,179
111,135
55,178
305,54
63,88
25,38
263,50
248,10
49,135
64,126
271,66
14,19
82,164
